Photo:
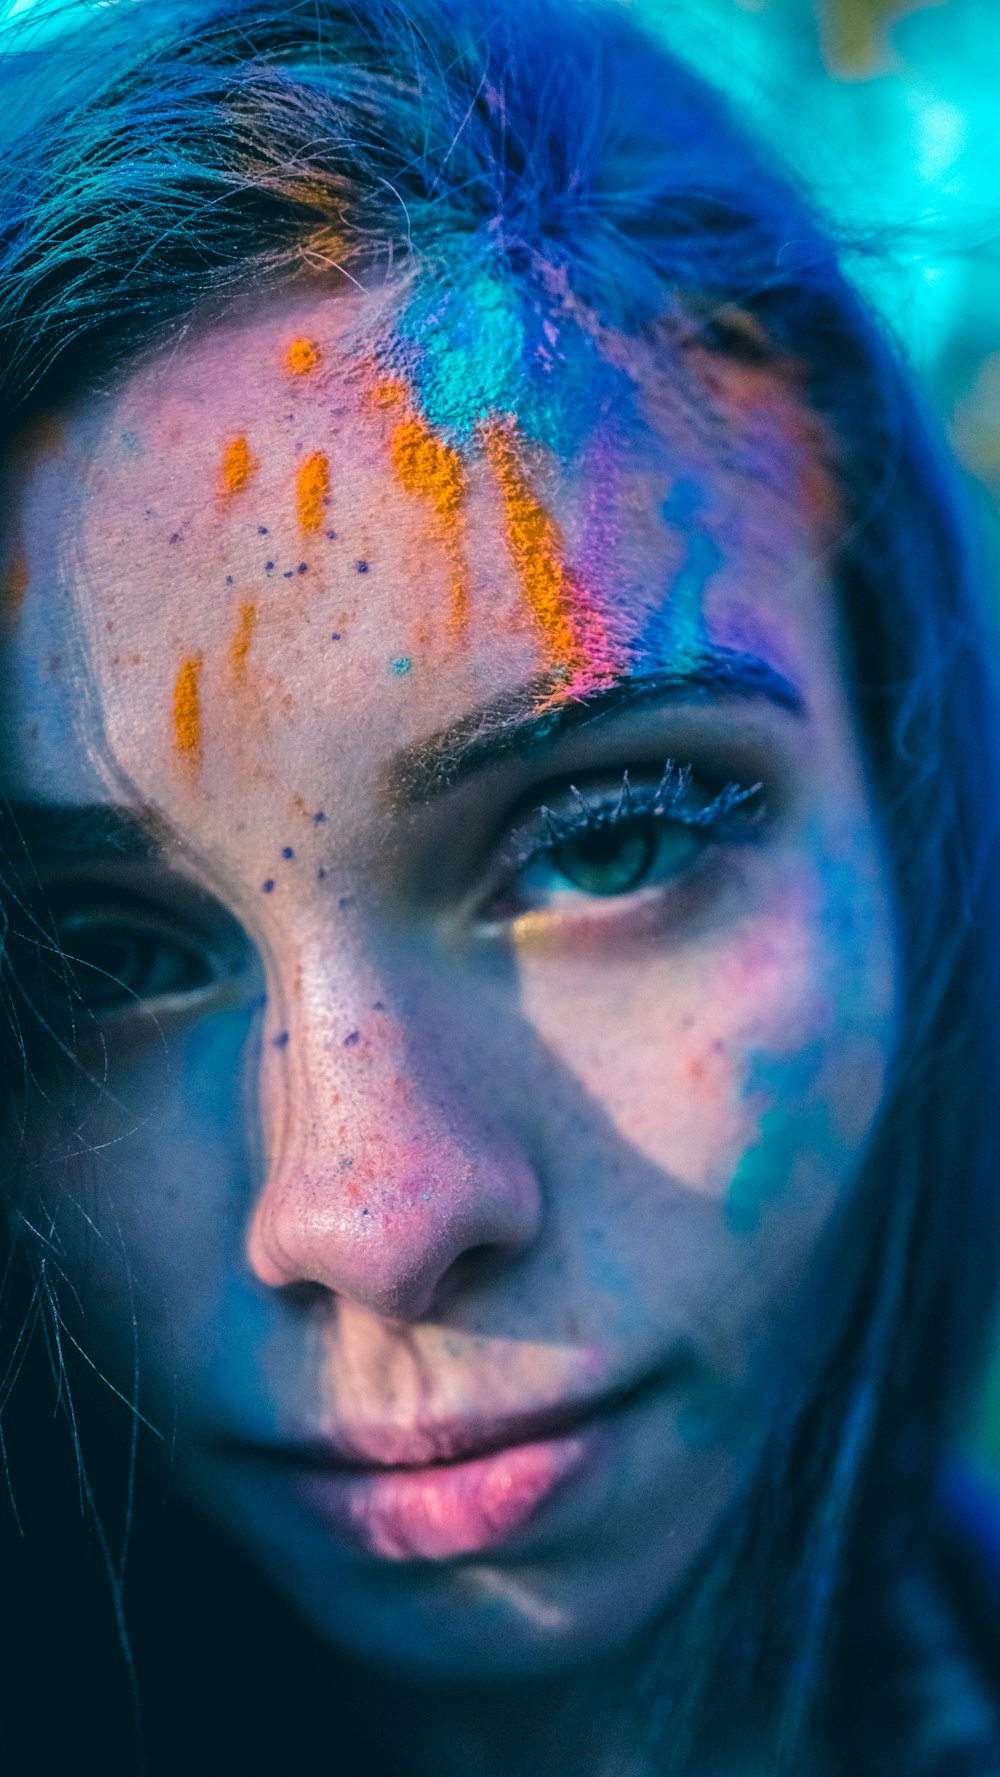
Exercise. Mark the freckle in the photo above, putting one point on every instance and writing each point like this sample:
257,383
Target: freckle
361,567
280,1041
313,490
267,888
239,647
238,466
187,709
302,357
287,852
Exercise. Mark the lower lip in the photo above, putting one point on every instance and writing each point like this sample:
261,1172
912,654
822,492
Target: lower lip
451,1509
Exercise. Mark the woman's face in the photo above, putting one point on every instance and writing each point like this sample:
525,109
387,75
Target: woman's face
465,1164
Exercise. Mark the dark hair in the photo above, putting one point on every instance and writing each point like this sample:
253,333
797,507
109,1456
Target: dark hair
171,155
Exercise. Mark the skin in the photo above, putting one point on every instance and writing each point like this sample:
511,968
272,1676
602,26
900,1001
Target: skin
415,1137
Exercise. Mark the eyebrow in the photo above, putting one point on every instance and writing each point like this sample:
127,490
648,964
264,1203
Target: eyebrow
507,729
57,831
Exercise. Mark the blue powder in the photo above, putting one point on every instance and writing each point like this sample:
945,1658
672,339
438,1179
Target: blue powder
402,665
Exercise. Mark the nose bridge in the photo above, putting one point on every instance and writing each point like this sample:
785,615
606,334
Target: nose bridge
379,1171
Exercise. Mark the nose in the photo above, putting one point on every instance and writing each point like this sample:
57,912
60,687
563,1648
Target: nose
385,1174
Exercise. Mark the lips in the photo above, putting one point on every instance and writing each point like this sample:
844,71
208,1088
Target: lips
442,1491
443,1510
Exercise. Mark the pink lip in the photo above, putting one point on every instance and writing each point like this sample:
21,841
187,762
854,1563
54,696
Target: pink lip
446,1509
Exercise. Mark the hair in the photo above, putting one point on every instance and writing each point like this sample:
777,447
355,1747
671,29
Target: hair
169,156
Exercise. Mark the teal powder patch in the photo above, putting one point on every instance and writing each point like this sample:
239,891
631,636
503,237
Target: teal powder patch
791,1125
402,665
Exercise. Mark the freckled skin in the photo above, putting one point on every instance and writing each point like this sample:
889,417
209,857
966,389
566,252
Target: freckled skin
504,1149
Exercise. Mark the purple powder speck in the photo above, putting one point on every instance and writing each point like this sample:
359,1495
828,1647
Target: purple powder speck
267,888
335,636
229,579
346,901
332,535
361,566
280,1041
319,816
321,874
268,565
175,537
262,530
303,567
352,1039
287,851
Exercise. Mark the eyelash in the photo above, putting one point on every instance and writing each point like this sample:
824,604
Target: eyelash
666,802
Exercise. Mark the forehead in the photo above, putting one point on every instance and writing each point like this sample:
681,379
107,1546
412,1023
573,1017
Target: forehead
341,506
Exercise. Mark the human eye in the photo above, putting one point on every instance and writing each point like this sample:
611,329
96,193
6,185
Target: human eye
96,950
618,842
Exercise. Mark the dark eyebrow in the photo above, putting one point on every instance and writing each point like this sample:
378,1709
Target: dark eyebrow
507,728
35,831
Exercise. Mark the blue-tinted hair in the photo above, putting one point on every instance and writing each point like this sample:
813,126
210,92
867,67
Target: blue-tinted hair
173,155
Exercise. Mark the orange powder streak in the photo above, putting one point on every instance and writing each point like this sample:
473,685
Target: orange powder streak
302,357
426,466
242,641
574,634
238,466
187,710
313,490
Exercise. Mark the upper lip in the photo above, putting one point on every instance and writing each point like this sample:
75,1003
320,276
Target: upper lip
376,1448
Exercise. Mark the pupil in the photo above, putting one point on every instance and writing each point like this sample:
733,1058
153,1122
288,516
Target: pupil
609,860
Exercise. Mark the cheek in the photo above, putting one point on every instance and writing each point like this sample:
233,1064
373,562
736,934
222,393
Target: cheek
746,1068
148,1212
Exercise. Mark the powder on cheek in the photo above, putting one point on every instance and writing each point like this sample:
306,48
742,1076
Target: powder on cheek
187,709
313,491
238,466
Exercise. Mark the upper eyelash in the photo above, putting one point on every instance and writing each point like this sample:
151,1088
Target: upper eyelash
664,801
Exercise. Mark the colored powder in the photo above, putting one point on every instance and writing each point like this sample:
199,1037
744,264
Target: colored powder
678,633
402,665
575,637
426,466
187,709
238,466
313,491
242,641
302,357
13,587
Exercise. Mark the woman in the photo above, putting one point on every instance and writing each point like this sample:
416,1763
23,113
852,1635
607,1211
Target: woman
501,923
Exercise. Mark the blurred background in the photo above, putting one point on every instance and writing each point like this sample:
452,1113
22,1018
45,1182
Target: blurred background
890,110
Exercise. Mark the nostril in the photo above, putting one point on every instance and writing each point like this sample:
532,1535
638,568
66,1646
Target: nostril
473,1269
306,1295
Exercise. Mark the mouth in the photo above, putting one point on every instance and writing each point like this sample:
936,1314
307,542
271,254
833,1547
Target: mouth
451,1489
